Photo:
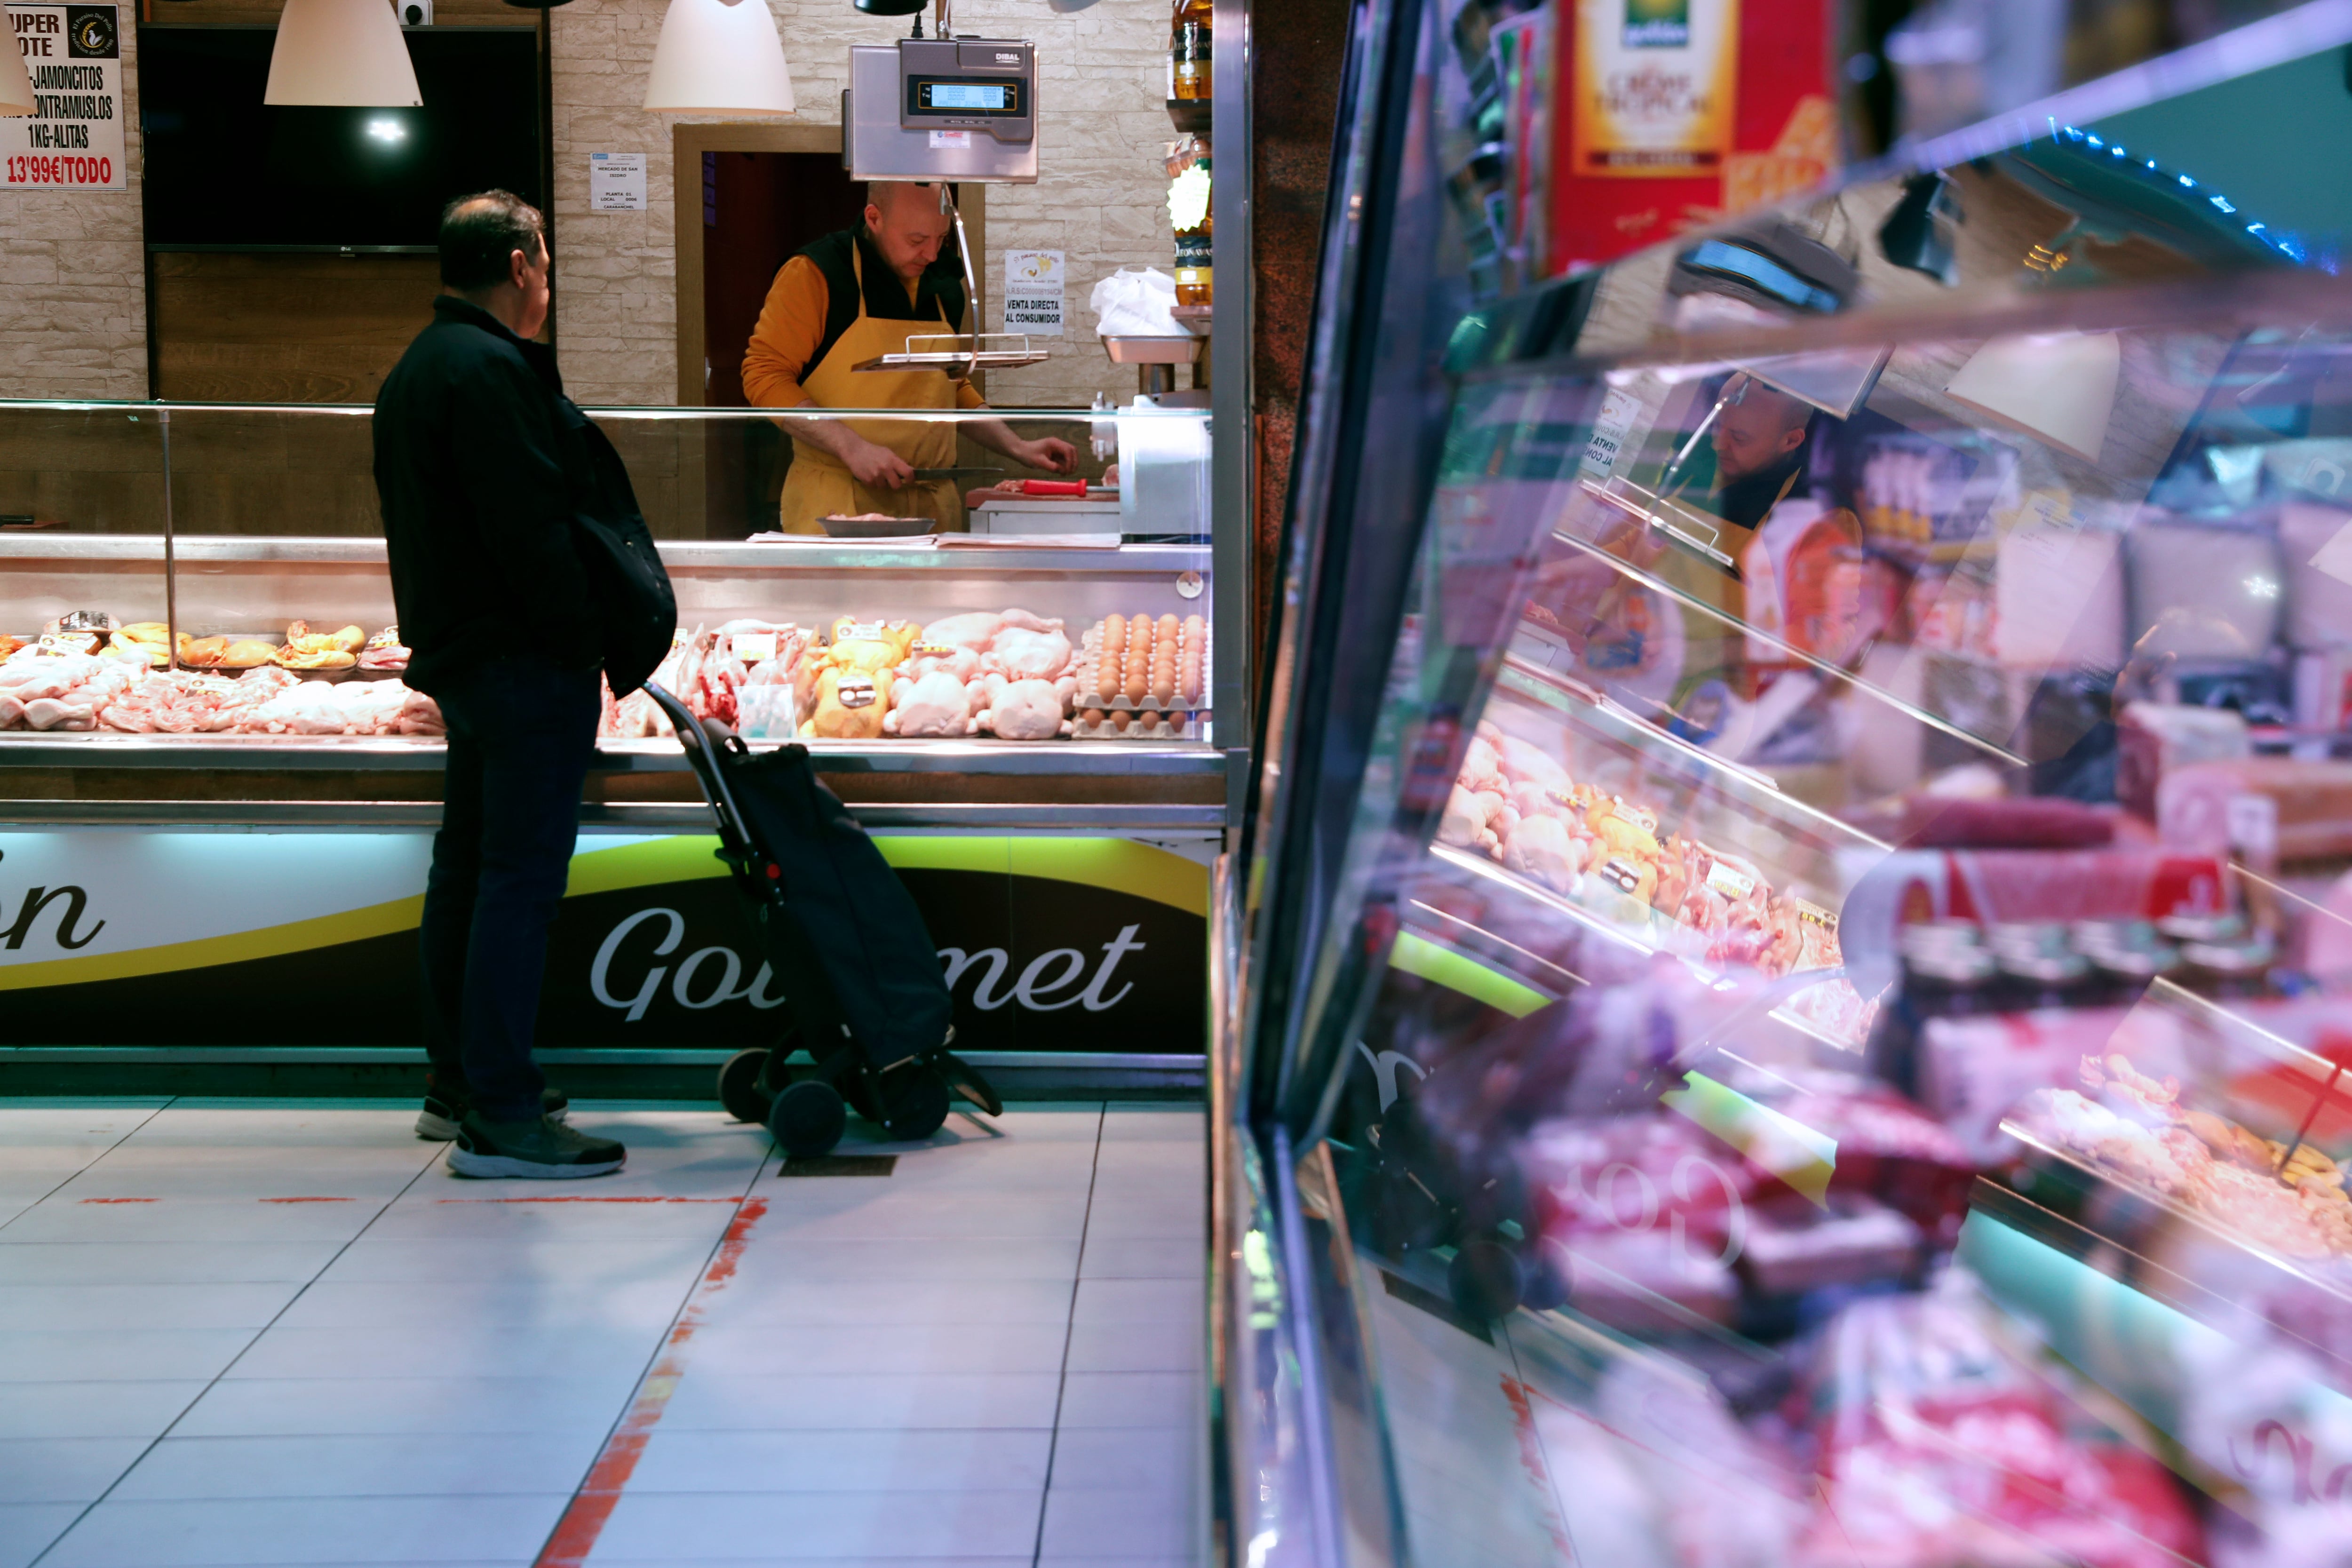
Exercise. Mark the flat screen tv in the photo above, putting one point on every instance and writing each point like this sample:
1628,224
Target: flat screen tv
224,170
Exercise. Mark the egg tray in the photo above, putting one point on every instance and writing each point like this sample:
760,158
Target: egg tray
1184,724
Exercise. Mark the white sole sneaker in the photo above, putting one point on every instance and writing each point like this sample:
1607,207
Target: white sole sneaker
466,1162
436,1128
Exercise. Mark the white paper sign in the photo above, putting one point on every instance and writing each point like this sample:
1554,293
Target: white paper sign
616,182
1610,427
73,139
1034,281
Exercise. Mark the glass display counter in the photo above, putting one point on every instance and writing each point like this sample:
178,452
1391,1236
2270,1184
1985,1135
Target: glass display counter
199,635
1805,1017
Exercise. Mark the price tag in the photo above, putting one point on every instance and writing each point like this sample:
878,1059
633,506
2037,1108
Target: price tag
755,647
1731,884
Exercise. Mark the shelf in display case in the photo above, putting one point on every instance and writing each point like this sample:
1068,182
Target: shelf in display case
1537,710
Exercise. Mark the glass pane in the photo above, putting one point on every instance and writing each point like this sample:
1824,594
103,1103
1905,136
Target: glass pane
82,586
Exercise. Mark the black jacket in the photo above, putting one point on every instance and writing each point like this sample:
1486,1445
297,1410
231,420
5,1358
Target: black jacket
509,520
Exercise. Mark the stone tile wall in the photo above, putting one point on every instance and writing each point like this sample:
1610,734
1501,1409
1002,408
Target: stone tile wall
73,322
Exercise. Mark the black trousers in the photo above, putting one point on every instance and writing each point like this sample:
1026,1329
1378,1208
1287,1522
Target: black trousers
522,733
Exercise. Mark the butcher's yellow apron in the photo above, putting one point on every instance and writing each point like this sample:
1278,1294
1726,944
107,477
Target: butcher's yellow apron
818,483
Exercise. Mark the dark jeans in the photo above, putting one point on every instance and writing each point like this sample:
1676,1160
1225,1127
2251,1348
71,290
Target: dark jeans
521,732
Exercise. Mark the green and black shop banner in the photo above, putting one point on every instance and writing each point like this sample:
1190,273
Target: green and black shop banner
142,937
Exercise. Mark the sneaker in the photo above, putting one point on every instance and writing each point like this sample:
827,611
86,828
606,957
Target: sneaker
544,1148
442,1110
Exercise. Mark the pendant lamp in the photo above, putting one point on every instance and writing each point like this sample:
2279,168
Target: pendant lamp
340,54
2059,389
15,81
717,58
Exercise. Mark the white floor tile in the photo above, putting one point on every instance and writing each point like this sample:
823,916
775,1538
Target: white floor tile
1133,1458
142,1305
1144,1521
450,1349
647,1303
1154,1124
570,1218
997,1459
772,1256
1141,1257
136,1169
896,1301
128,1356
878,1402
863,1207
222,1222
63,1470
1162,1346
46,1410
726,1346
26,1528
420,1466
1132,1399
185,1534
729,1528
251,1407
1125,1302
577,1265
119,1262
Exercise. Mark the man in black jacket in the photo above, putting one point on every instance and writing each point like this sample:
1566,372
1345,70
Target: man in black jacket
484,469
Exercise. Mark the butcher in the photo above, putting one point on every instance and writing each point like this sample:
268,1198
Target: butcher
854,296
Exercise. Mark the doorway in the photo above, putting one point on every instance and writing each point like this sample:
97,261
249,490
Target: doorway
748,198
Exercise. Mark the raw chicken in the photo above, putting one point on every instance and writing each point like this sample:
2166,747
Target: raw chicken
49,713
976,631
936,704
1540,848
1023,654
1464,825
1027,622
1021,709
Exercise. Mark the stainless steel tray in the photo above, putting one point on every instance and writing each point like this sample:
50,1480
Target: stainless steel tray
963,352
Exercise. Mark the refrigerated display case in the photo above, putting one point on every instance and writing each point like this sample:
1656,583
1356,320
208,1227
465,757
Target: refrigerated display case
204,670
1802,1014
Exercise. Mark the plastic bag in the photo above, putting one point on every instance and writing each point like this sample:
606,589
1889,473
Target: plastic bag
1137,303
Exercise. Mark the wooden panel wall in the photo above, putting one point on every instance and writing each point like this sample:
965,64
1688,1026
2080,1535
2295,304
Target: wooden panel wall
284,328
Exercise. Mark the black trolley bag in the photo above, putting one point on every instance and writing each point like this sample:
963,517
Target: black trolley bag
860,974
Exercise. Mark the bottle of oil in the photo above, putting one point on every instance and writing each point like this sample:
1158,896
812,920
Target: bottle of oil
1188,49
1196,241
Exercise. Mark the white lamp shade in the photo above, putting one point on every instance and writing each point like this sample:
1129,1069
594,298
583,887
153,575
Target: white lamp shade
340,54
2059,389
15,81
719,58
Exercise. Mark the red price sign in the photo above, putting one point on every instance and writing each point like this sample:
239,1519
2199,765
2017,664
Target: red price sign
57,168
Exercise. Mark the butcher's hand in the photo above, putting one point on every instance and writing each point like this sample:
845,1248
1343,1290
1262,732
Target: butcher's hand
1053,456
878,468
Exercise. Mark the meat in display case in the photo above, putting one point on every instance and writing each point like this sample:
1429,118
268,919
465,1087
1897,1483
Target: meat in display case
1806,1019
197,632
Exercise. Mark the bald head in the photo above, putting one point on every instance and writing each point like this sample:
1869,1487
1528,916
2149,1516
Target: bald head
1758,430
906,225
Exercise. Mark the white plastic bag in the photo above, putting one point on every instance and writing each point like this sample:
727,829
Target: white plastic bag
1137,303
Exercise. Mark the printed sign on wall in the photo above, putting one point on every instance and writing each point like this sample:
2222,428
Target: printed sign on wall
1034,282
73,139
616,182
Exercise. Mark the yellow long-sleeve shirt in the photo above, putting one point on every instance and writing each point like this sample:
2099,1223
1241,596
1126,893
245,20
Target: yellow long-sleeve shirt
791,330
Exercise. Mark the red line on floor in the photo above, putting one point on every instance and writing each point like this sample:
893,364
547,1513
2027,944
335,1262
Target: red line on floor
575,1534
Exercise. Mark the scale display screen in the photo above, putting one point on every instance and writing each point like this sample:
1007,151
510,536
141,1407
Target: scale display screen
928,95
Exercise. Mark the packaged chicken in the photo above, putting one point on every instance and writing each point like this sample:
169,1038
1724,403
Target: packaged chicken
384,651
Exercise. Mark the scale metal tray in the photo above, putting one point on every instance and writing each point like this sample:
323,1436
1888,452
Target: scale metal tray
959,352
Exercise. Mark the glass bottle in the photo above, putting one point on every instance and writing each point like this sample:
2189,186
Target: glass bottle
1188,49
1195,243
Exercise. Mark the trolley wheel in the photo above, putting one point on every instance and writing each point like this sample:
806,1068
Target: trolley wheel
1485,1280
808,1119
739,1085
916,1109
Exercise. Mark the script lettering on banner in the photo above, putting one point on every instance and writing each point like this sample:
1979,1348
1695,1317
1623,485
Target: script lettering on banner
1034,287
73,139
